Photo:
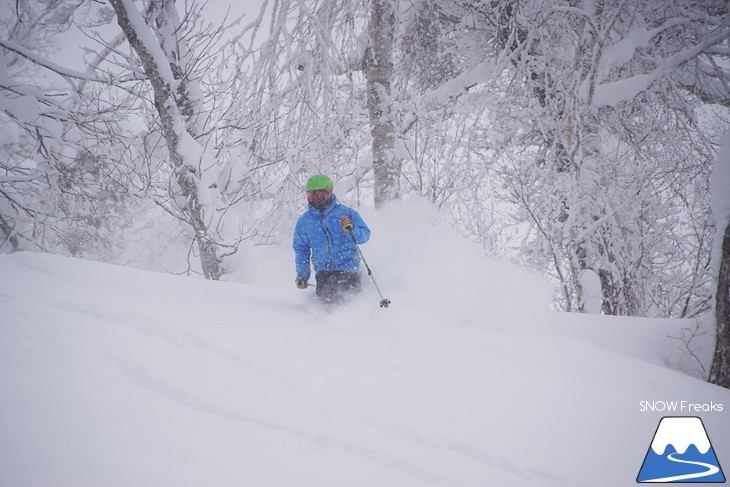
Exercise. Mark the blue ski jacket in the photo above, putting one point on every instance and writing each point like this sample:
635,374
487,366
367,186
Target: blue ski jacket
319,238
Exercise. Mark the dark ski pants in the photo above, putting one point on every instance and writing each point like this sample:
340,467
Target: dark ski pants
334,286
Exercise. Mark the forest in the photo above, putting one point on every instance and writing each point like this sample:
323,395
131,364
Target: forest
585,139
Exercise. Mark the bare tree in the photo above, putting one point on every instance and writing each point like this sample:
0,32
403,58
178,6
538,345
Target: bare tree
326,72
594,144
379,73
179,141
720,370
60,189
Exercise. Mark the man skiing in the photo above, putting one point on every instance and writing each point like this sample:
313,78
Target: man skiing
326,235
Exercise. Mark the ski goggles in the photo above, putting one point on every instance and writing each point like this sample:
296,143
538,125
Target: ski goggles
319,195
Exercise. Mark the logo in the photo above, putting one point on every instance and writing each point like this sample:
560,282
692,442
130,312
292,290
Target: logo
681,452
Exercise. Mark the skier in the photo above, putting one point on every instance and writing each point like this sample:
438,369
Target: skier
325,235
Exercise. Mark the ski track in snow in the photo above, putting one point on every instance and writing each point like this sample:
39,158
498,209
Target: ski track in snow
155,384
152,382
147,380
142,325
711,470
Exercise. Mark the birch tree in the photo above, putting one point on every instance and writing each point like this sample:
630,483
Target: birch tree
327,70
184,152
379,73
115,82
720,369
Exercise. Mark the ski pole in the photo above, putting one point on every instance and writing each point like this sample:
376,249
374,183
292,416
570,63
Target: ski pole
383,301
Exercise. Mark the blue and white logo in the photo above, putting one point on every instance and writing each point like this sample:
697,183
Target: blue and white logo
681,452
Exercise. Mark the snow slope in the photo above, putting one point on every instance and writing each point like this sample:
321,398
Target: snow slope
112,376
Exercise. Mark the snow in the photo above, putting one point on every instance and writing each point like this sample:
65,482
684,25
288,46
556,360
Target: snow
116,376
615,92
681,433
147,38
622,51
611,94
482,73
23,108
591,285
58,68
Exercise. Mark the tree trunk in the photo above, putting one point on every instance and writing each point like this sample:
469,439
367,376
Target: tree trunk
6,234
172,130
175,46
720,370
379,72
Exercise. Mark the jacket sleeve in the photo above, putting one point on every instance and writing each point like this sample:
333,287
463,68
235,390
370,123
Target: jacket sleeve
302,251
361,231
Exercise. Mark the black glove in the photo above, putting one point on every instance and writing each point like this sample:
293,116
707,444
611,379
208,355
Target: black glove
301,282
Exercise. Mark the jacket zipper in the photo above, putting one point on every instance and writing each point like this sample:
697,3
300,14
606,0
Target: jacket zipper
327,237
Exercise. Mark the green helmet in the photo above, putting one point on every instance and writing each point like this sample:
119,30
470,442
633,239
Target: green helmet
319,181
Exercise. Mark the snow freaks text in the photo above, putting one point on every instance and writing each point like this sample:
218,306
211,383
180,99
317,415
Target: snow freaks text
679,407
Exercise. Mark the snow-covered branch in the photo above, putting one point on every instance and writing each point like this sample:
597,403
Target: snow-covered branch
612,93
482,73
50,65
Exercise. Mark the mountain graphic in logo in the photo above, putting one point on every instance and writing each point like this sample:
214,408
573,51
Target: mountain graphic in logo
681,452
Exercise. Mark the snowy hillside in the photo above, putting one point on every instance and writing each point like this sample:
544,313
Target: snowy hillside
113,376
